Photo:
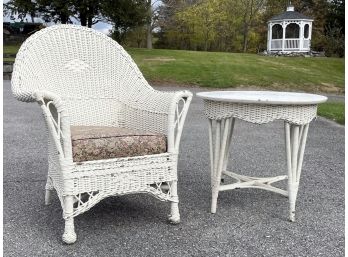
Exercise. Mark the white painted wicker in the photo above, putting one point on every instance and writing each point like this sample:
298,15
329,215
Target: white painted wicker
224,107
261,106
82,77
260,113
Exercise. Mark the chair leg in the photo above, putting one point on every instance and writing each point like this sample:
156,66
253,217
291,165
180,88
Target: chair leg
48,191
174,216
69,235
214,197
48,196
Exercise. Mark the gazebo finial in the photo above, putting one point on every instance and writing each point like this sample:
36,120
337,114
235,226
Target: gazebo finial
290,7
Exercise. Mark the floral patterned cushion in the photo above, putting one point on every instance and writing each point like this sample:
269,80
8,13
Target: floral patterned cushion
96,143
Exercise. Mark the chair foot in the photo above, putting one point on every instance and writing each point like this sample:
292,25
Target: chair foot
69,236
174,217
174,220
214,198
293,189
48,196
292,213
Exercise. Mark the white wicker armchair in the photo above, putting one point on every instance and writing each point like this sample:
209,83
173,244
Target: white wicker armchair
81,77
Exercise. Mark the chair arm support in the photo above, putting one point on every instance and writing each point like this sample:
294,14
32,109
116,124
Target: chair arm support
57,121
176,118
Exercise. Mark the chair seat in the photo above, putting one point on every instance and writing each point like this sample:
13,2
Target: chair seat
97,142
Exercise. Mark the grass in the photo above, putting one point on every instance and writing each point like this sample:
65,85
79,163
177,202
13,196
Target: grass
333,111
222,70
8,59
11,49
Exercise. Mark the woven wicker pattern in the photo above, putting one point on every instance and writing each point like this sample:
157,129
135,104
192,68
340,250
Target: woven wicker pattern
297,111
81,77
259,114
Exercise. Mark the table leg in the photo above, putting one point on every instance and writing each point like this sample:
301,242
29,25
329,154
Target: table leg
295,143
229,140
218,153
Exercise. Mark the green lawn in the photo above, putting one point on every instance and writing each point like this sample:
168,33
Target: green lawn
8,59
219,70
10,49
333,111
222,70
215,69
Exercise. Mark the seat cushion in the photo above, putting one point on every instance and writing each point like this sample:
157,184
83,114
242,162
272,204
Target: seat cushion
95,143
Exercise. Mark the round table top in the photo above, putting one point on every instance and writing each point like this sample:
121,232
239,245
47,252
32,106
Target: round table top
263,97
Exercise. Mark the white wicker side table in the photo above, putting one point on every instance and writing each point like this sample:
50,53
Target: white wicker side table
222,108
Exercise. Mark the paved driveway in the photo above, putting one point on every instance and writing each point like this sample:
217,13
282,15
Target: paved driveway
248,222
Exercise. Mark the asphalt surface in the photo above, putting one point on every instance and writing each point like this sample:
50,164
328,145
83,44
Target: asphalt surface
248,222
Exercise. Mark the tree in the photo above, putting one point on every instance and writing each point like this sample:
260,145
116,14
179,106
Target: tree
50,11
151,20
150,13
203,23
55,10
136,37
334,28
87,11
20,8
173,30
124,15
335,17
210,25
251,9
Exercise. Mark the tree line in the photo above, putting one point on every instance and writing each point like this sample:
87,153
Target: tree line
204,25
124,15
241,25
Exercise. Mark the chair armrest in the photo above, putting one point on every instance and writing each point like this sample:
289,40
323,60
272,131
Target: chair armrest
161,112
57,121
176,118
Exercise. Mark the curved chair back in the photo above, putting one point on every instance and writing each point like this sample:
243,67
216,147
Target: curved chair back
91,73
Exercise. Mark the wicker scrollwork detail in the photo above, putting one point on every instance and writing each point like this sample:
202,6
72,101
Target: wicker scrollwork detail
180,115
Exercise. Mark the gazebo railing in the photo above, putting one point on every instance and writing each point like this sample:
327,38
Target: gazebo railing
289,44
306,43
276,44
292,43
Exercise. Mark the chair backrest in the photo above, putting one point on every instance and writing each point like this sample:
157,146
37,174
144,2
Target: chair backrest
91,73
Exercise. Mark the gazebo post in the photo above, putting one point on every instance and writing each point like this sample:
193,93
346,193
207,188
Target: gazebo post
283,41
301,36
269,37
310,35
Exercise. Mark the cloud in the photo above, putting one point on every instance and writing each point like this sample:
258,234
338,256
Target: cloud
103,27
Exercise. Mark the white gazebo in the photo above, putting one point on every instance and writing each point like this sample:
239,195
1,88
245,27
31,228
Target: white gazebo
289,32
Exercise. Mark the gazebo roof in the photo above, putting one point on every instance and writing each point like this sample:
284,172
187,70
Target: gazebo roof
290,15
